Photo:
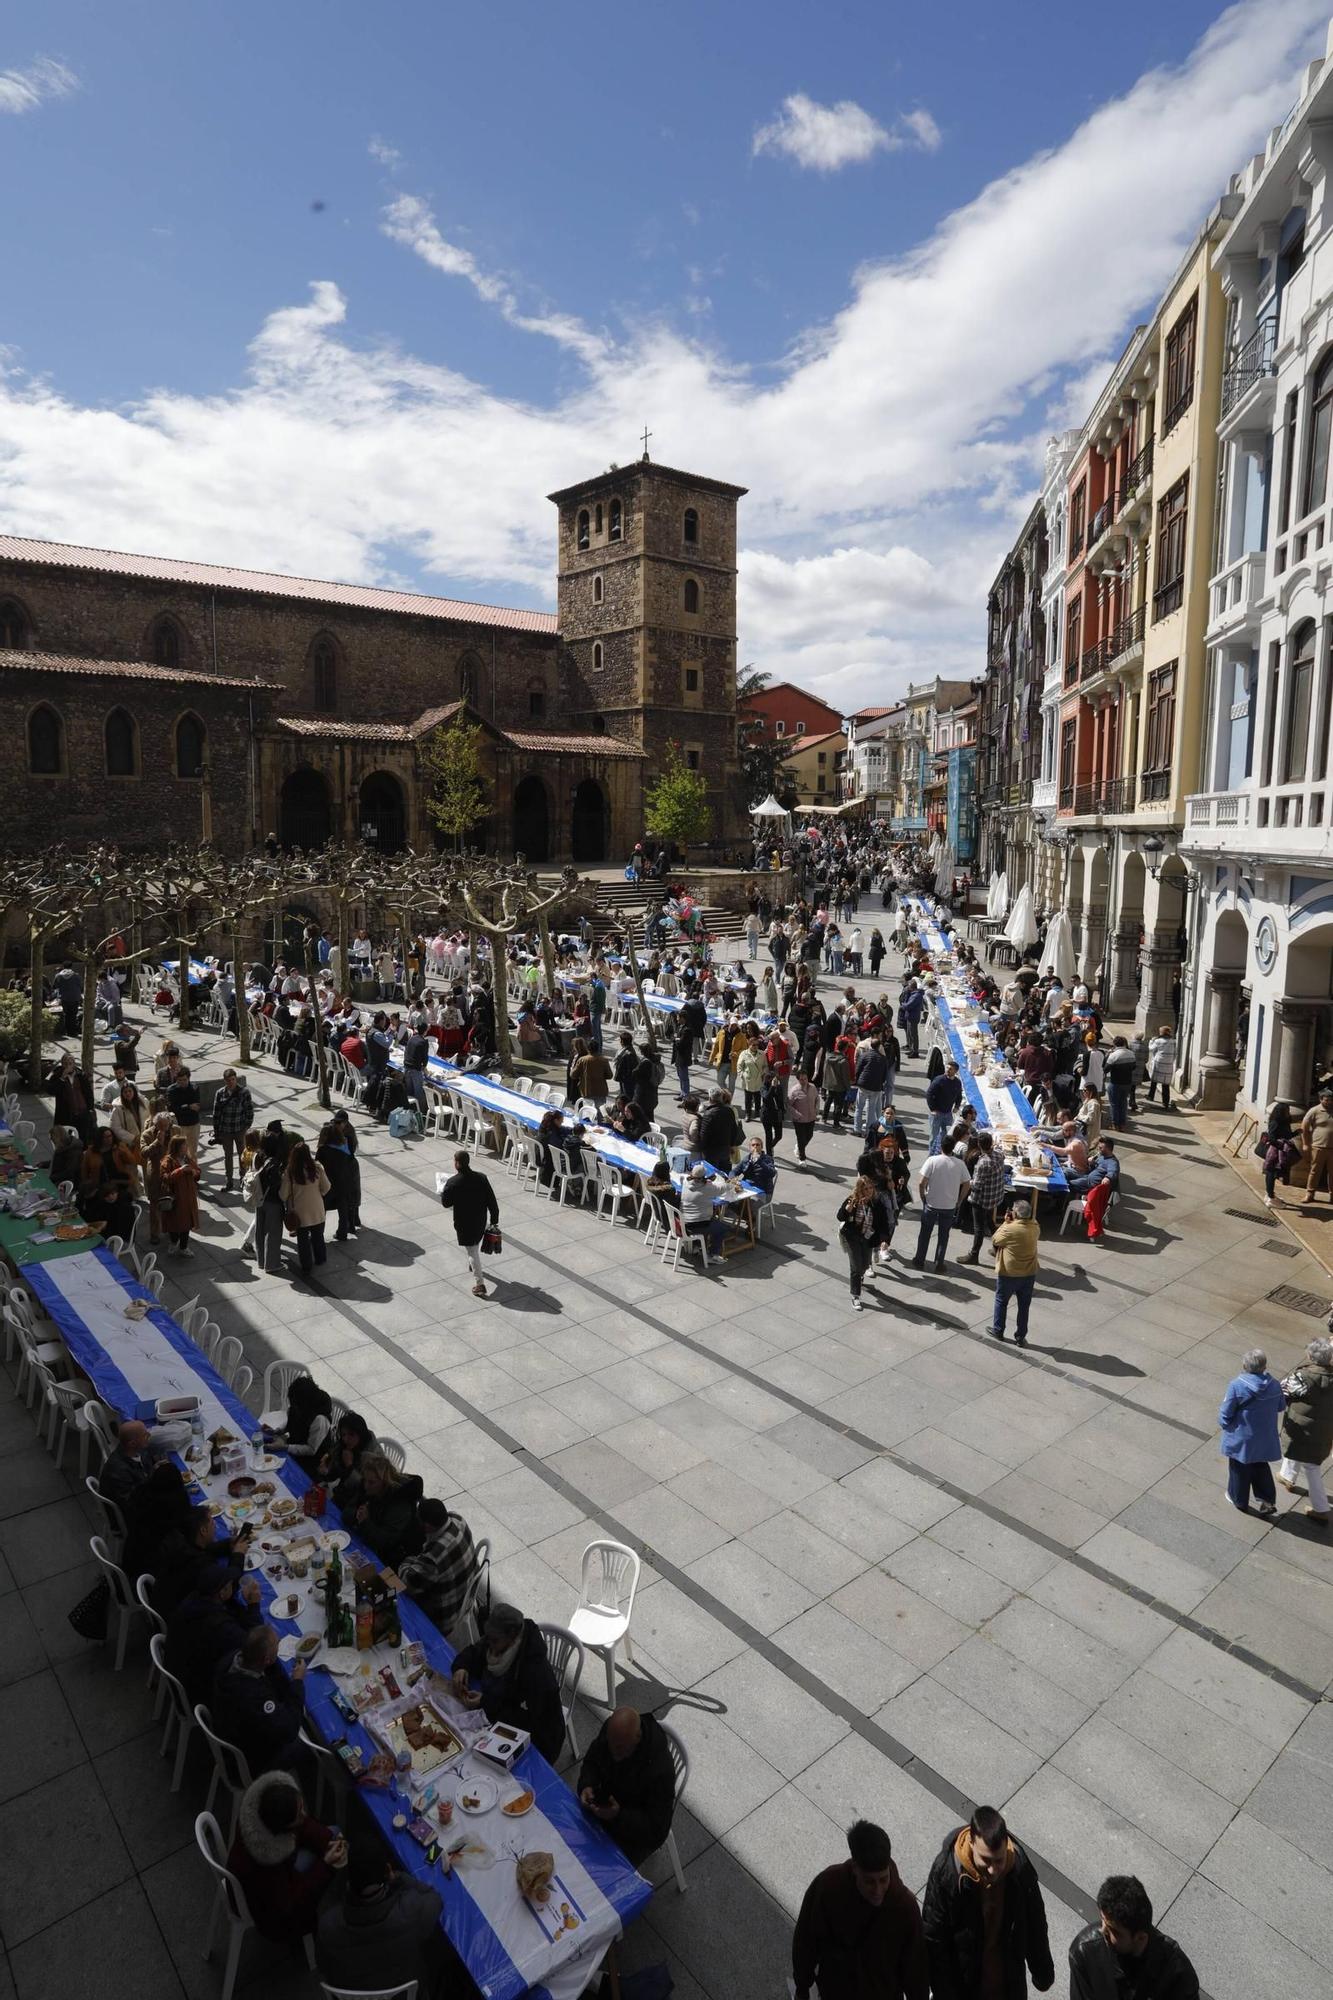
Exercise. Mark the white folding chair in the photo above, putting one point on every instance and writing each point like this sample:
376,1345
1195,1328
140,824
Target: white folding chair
113,1521
678,1239
227,1356
394,1452
123,1600
566,1656
612,1187
228,1900
229,1767
278,1379
601,1620
466,1620
680,1758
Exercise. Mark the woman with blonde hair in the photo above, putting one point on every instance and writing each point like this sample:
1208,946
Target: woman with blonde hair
180,1193
153,1156
304,1186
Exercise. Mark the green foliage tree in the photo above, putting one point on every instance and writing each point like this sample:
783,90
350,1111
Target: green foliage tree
762,758
458,798
676,807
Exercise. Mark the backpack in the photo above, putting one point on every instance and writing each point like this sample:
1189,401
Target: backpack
252,1189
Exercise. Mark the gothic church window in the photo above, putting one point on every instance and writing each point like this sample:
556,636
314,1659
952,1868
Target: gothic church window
691,594
13,625
166,648
46,742
120,735
191,743
324,666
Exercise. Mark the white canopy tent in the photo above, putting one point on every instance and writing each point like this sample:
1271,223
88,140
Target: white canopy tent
769,809
1021,929
1057,954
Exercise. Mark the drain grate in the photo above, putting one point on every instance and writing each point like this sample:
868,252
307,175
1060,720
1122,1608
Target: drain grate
1313,1303
1282,1249
1248,1215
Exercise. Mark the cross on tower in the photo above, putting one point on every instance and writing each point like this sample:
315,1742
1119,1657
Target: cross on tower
646,435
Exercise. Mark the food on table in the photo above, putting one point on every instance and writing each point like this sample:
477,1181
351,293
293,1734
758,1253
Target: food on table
306,1648
521,1803
533,1874
241,1488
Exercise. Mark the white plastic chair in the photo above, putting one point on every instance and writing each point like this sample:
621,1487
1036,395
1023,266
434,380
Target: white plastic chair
466,1621
228,1900
407,1992
678,1239
565,1178
113,1521
227,1356
242,1381
566,1656
123,1600
50,1355
523,1085
680,1758
229,1767
614,1188
278,1379
153,1281
101,1429
65,1404
601,1620
157,1628
394,1452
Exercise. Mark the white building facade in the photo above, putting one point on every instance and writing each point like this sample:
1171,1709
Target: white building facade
1260,836
1060,454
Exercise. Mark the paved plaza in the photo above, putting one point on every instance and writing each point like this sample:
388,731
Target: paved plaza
892,1568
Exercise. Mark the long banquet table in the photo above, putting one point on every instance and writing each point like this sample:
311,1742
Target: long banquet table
508,1945
20,1234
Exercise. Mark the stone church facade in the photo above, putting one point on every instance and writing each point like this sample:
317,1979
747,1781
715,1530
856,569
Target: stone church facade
146,699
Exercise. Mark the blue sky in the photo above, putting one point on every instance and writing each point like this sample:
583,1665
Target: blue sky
836,256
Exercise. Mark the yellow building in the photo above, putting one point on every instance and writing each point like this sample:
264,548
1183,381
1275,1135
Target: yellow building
813,766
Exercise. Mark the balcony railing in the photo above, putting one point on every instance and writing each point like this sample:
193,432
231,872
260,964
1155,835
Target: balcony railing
1076,540
1154,786
1117,796
1093,660
1127,634
1251,361
1067,797
1168,599
1136,474
1085,799
1102,520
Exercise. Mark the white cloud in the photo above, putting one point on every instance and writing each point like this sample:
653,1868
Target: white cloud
826,137
387,155
889,458
27,89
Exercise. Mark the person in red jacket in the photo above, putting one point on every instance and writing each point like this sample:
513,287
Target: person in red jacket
282,1858
859,1933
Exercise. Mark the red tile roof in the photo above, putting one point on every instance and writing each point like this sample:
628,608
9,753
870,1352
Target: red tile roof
588,746
804,742
271,583
873,714
408,732
125,670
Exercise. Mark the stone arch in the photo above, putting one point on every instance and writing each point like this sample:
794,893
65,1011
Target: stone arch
167,645
588,826
16,631
382,813
532,833
305,809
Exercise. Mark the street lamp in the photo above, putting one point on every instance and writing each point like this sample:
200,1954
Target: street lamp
1154,847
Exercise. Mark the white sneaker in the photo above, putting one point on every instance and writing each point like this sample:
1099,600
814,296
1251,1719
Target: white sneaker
1269,1202
187,1252
857,1306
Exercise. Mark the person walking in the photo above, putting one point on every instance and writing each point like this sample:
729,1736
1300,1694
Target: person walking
1248,1419
944,1094
302,1190
983,1915
941,1184
1121,1070
772,1108
1317,1138
1278,1148
861,1224
180,1194
859,1935
1161,1065
871,1075
471,1199
1122,1954
1016,1267
233,1115
803,1104
987,1173
1308,1426
750,1068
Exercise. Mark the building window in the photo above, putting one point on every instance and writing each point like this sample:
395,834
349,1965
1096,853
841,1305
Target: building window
691,594
324,664
779,728
1078,514
584,533
46,743
1316,458
469,679
597,659
691,526
121,745
800,729
1073,628
693,759
598,518
167,649
1068,754
1160,735
191,743
1300,688
537,702
691,680
1178,386
1288,459
1172,524
613,522
14,628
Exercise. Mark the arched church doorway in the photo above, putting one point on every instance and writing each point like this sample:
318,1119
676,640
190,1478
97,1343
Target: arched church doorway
305,810
531,829
383,813
588,833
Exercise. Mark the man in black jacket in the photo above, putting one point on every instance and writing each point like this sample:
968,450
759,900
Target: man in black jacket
416,1054
508,1674
625,1066
260,1709
984,1917
1123,1955
720,1131
208,1626
628,1783
944,1094
472,1199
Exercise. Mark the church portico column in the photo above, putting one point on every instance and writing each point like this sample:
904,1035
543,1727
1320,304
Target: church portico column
1160,965
1296,1018
1219,1079
1124,994
1092,938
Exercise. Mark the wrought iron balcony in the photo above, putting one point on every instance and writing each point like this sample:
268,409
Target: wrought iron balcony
1101,521
1127,634
1093,661
1117,796
1252,360
1137,474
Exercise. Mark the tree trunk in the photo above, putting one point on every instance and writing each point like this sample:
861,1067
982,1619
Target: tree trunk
87,1049
344,946
183,981
647,1019
242,1011
500,1000
548,953
36,966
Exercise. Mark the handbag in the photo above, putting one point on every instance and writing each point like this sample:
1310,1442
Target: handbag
89,1616
290,1220
491,1242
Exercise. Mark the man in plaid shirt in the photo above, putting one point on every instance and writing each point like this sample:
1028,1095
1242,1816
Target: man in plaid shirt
438,1578
987,1187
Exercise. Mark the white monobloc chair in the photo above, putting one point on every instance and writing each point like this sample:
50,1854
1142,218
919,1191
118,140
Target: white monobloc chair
566,1656
179,1716
680,1758
229,1768
123,1601
228,1900
601,1619
407,1992
395,1453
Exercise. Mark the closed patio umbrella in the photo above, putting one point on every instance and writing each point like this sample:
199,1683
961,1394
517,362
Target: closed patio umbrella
1058,951
1021,929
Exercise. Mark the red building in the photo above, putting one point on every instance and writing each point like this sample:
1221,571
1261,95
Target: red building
786,710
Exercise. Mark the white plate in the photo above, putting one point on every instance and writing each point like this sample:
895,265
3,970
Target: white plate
476,1855
483,1789
267,1461
278,1608
337,1538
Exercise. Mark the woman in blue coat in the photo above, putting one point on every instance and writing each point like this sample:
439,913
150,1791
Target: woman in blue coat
1249,1419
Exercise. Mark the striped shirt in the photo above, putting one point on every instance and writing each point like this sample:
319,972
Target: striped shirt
987,1180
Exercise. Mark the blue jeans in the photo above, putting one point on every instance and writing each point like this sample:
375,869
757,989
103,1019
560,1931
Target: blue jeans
932,1219
869,1104
595,1034
1012,1288
1118,1093
414,1083
683,1078
940,1122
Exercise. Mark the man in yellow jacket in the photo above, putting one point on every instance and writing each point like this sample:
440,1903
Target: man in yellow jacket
1016,1267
